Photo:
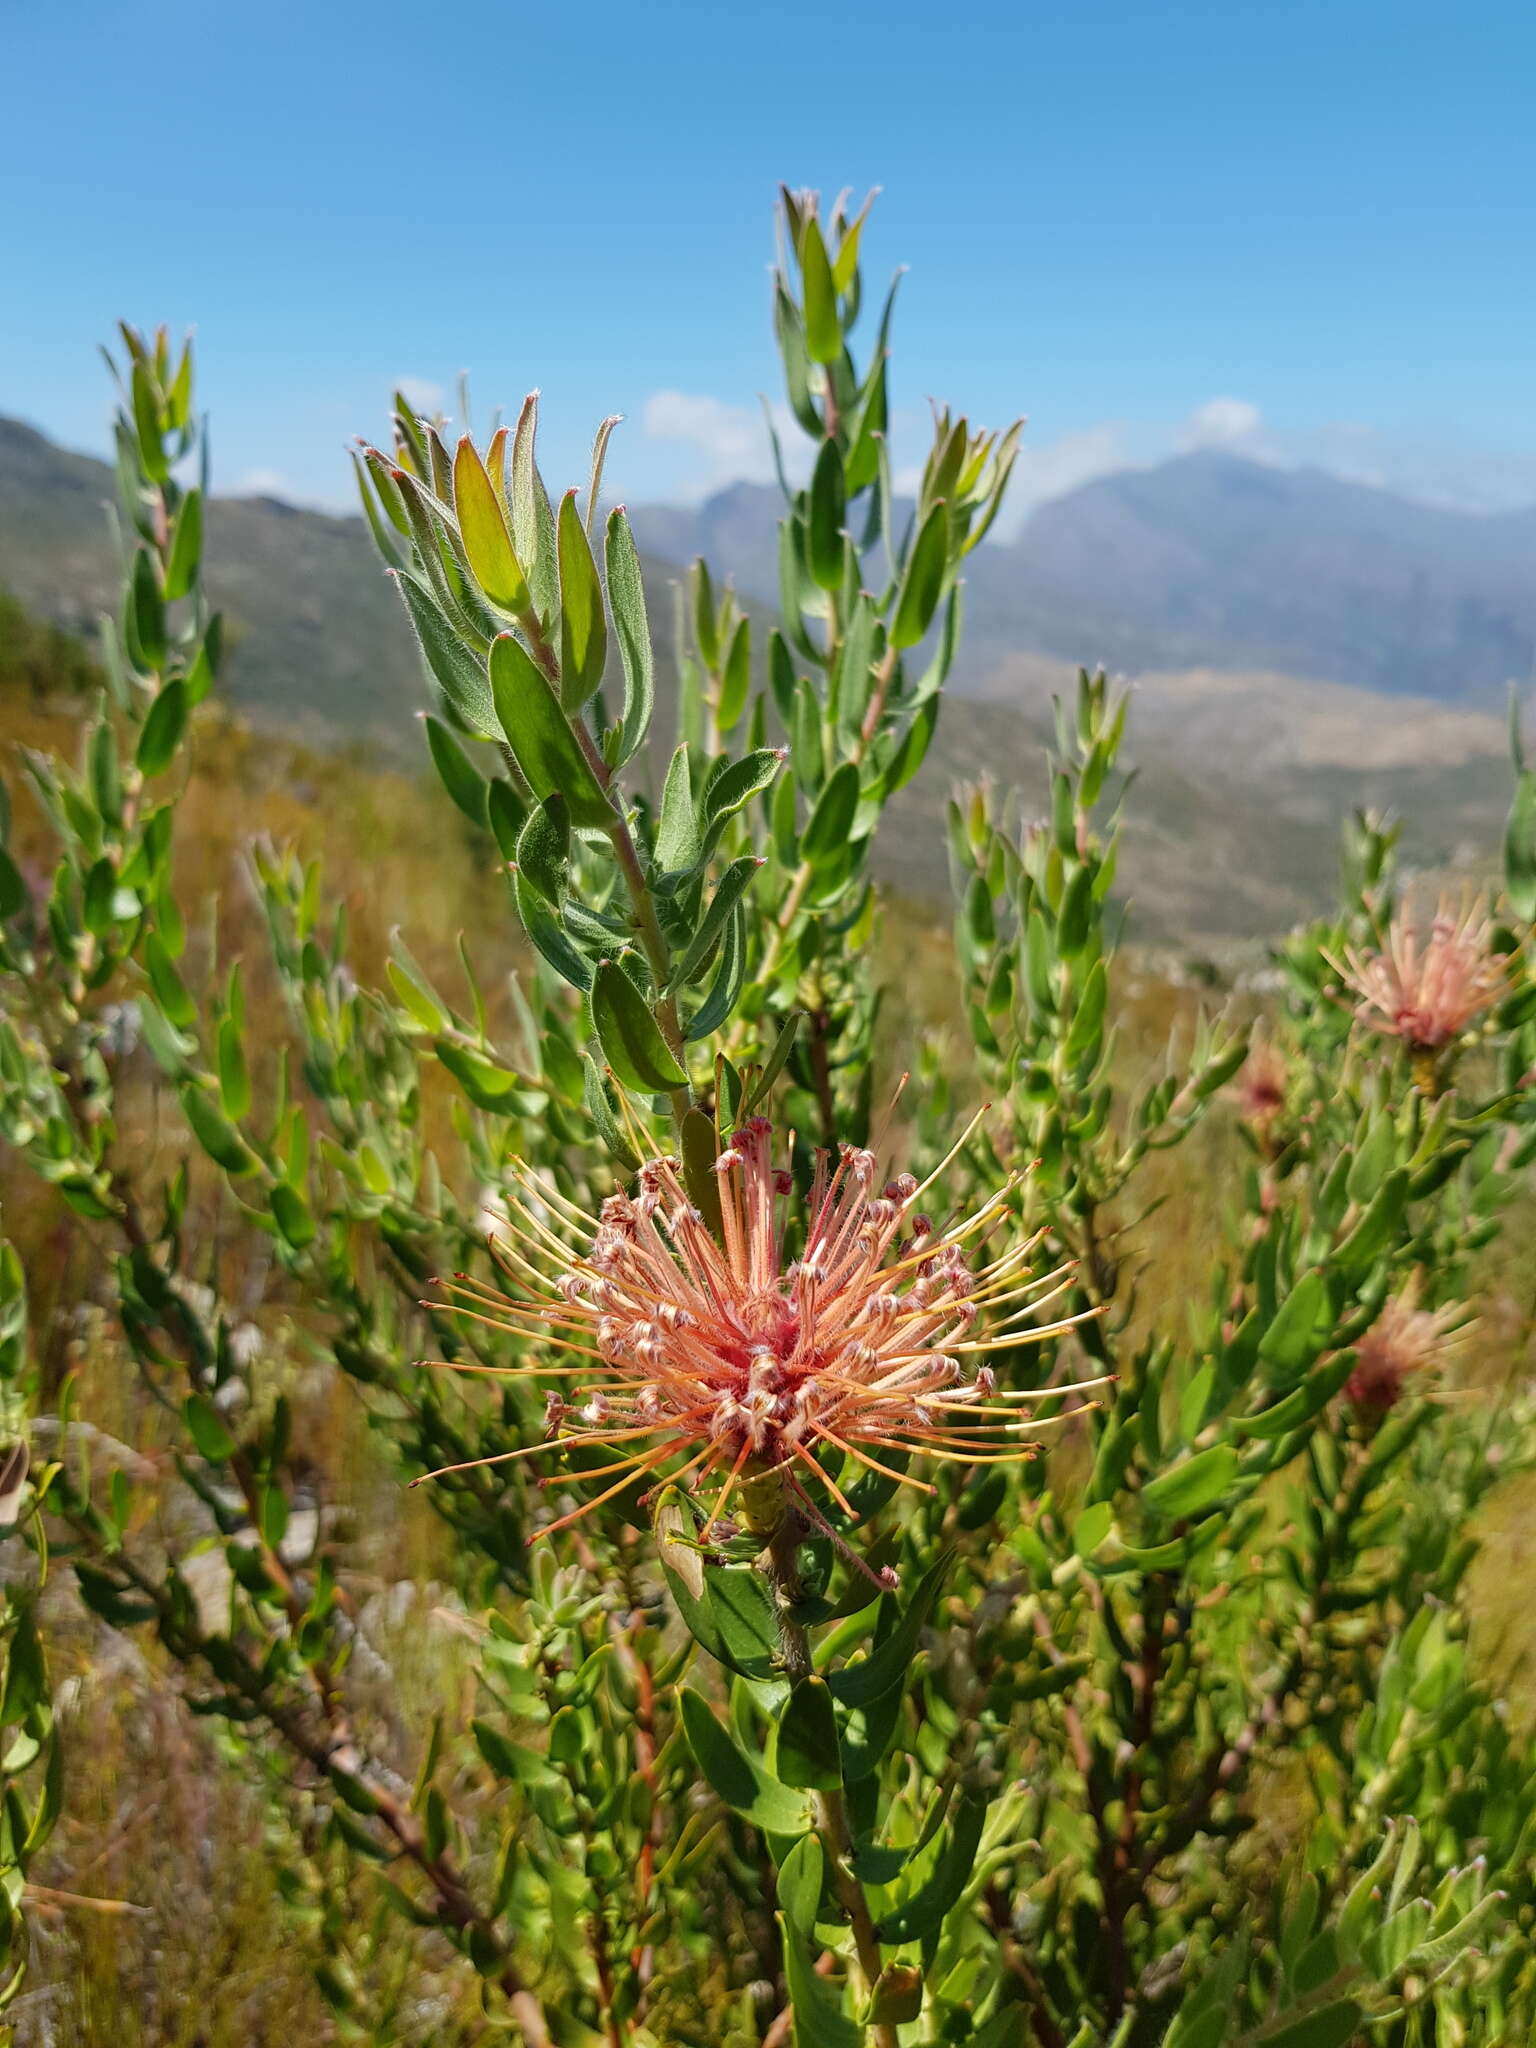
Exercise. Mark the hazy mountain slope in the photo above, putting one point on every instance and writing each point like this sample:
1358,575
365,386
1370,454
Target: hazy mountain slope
1245,775
320,640
1242,782
1209,561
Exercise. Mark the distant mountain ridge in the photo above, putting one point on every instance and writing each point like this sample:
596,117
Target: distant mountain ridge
1245,770
1209,560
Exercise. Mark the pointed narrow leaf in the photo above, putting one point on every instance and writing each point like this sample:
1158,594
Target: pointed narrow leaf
807,1753
186,547
626,594
799,1885
540,735
483,529
831,822
820,2021
583,626
457,670
468,788
828,514
543,849
679,846
629,1035
1191,1486
549,935
922,584
739,1780
823,330
728,892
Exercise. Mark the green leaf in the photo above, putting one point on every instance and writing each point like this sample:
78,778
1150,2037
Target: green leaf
887,1666
1192,1485
13,890
146,420
544,849
730,979
512,1761
740,1781
291,1214
540,735
700,1147
939,1877
738,784
1330,2026
828,516
823,329
597,1094
728,892
1300,1326
773,1066
626,595
1377,1229
799,1883
171,992
735,678
679,846
1091,1527
206,1428
186,547
820,2021
912,750
457,670
483,530
163,729
807,1753
1520,848
629,1035
464,784
234,1074
583,626
1299,1406
26,1674
218,1138
550,937
831,821
489,1087
506,813
922,582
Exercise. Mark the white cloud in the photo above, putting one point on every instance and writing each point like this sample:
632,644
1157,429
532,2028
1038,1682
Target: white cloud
1056,467
729,443
263,483
717,443
1220,423
421,393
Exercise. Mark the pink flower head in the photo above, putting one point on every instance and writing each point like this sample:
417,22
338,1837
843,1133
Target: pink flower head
1427,991
1404,1340
725,1358
1263,1082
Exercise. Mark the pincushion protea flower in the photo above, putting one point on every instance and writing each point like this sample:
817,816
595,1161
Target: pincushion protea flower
1262,1085
1403,1341
761,1373
1426,992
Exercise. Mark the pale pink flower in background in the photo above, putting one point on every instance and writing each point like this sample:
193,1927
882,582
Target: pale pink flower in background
1263,1082
1427,990
723,1358
1404,1342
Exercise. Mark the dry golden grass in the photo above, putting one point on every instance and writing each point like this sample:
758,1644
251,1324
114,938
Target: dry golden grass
163,1816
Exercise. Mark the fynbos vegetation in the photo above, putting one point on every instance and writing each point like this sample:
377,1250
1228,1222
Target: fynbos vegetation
881,1609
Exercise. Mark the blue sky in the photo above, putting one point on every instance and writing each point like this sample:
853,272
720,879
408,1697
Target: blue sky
1304,229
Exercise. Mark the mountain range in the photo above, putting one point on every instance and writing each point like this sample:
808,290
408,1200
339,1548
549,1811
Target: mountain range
1299,646
1213,561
